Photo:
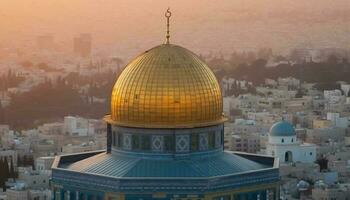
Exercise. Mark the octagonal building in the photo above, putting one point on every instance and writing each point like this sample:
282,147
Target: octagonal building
165,140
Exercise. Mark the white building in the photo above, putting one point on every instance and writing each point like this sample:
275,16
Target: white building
337,121
298,104
263,118
84,147
227,105
324,191
7,137
283,143
51,128
44,194
34,179
289,81
17,194
333,96
244,101
345,88
5,98
44,163
77,126
70,124
270,82
249,143
22,192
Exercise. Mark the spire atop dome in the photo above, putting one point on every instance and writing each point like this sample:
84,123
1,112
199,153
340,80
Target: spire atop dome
167,15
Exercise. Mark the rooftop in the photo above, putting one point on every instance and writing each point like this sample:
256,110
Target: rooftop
125,166
282,128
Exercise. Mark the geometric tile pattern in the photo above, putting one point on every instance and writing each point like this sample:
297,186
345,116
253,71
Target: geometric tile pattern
157,143
182,143
127,141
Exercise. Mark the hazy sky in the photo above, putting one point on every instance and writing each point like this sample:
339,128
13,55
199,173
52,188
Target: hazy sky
202,25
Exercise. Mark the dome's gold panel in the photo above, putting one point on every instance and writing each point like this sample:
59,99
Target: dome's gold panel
166,87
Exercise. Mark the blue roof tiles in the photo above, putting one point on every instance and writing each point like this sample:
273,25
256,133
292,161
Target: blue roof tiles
122,166
282,128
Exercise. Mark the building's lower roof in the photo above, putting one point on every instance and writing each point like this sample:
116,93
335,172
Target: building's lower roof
123,166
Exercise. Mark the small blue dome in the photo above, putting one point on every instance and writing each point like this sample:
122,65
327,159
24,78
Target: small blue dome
282,128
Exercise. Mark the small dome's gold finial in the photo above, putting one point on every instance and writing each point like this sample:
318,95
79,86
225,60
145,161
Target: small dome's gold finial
167,15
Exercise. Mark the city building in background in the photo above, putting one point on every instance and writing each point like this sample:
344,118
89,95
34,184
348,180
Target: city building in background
45,42
82,45
283,143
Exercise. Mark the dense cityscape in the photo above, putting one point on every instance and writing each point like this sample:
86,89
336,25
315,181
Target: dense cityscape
65,118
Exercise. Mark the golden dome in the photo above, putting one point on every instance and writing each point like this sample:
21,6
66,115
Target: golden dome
166,87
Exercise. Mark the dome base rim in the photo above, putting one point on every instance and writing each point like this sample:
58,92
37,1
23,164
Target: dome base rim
108,119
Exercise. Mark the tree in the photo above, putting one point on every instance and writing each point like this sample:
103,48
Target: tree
2,175
2,114
6,170
12,171
31,162
332,59
19,161
251,89
25,160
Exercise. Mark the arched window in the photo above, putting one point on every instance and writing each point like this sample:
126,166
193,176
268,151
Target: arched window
292,140
282,140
